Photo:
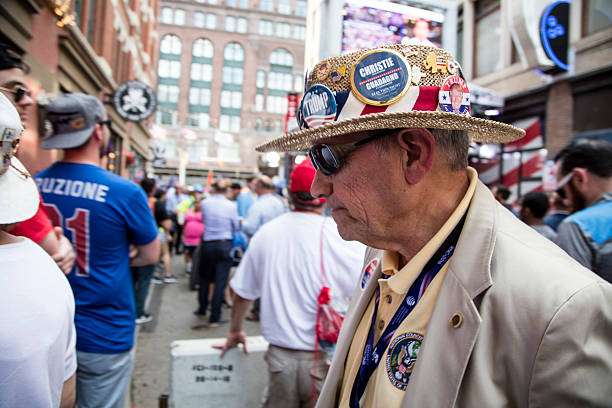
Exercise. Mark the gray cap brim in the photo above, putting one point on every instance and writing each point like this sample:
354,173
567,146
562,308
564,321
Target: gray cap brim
67,140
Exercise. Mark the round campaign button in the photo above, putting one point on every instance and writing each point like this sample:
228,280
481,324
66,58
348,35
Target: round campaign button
454,95
318,106
380,77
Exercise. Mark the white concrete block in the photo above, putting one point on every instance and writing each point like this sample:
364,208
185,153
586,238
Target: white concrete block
199,378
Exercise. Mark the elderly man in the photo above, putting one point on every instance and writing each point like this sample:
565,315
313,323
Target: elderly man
104,214
459,303
584,174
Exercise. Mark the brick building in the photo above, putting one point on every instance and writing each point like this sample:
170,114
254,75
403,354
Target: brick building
84,46
225,68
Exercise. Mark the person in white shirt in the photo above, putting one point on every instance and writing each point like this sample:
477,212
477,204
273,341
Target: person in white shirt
283,266
38,359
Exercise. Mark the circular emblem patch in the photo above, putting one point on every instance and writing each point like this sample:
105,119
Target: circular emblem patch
401,356
380,78
368,271
454,95
318,106
134,101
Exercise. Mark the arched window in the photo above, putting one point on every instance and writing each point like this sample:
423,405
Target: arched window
202,48
201,72
170,44
281,56
233,52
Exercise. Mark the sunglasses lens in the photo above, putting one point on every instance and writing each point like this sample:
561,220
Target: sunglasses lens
20,93
323,159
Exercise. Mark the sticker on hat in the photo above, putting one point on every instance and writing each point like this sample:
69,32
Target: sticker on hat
338,74
380,77
323,71
318,106
454,95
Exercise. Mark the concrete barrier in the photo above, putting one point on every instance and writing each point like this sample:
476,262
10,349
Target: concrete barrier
199,378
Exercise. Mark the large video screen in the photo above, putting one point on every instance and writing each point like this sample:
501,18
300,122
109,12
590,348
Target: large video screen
373,23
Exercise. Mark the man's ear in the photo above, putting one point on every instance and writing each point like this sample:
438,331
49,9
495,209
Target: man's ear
417,147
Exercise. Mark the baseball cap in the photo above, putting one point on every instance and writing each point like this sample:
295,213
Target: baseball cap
18,194
73,118
300,181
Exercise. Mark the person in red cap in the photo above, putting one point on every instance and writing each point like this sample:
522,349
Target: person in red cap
286,264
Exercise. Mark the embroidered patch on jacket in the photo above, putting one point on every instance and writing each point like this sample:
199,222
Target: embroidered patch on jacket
401,356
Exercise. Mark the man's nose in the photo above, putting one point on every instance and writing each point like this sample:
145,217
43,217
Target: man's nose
321,185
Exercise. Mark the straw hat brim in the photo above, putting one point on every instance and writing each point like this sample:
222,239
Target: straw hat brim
479,130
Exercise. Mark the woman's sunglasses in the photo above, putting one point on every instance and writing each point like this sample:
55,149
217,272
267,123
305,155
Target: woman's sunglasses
18,93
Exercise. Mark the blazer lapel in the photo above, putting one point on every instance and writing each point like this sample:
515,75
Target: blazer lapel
357,307
453,327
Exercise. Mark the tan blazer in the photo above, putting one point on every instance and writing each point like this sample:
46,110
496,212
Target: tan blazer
536,326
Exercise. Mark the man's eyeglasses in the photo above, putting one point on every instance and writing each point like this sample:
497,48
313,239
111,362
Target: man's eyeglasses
562,184
18,93
106,123
328,161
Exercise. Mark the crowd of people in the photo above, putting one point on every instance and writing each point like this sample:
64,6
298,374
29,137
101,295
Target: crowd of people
434,276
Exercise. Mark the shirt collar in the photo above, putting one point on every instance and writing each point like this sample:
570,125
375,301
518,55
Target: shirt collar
401,280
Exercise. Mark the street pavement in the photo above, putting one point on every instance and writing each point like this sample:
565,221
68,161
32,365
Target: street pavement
171,306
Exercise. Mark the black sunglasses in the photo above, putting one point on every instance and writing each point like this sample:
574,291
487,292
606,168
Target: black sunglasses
325,159
18,93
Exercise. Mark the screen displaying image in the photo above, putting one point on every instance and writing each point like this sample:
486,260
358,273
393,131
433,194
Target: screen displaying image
372,23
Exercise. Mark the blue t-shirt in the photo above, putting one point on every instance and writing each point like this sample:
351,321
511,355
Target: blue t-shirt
102,214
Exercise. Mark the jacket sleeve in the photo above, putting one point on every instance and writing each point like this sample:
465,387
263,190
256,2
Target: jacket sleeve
573,366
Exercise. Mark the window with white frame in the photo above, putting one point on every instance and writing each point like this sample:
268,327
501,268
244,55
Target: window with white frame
230,24
283,30
243,4
211,21
300,8
233,52
233,75
199,19
266,5
488,37
242,25
284,6
231,99
169,69
299,32
202,48
229,153
259,102
170,44
200,120
276,104
167,93
229,123
281,56
260,81
265,27
167,15
197,149
298,84
199,96
231,3
179,17
201,72
280,80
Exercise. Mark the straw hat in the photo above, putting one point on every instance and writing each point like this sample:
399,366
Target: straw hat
18,193
387,87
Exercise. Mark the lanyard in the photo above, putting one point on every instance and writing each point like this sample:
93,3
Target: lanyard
371,355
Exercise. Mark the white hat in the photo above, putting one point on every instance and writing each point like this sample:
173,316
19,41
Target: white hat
18,192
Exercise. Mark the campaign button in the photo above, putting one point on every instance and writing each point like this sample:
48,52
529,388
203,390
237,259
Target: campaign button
454,95
323,71
380,77
318,106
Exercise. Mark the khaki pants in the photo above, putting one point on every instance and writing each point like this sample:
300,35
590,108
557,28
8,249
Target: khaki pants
291,376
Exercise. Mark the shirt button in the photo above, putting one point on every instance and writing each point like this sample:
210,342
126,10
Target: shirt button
388,298
381,324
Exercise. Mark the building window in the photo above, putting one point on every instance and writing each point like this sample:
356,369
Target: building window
276,104
298,84
199,19
170,44
243,4
242,25
229,123
199,96
280,80
213,2
179,17
598,14
281,56
201,72
299,32
200,120
169,69
284,7
167,15
233,52
230,24
232,75
260,81
231,3
167,93
202,48
265,27
231,99
259,124
283,30
259,102
165,117
300,8
266,5
488,37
